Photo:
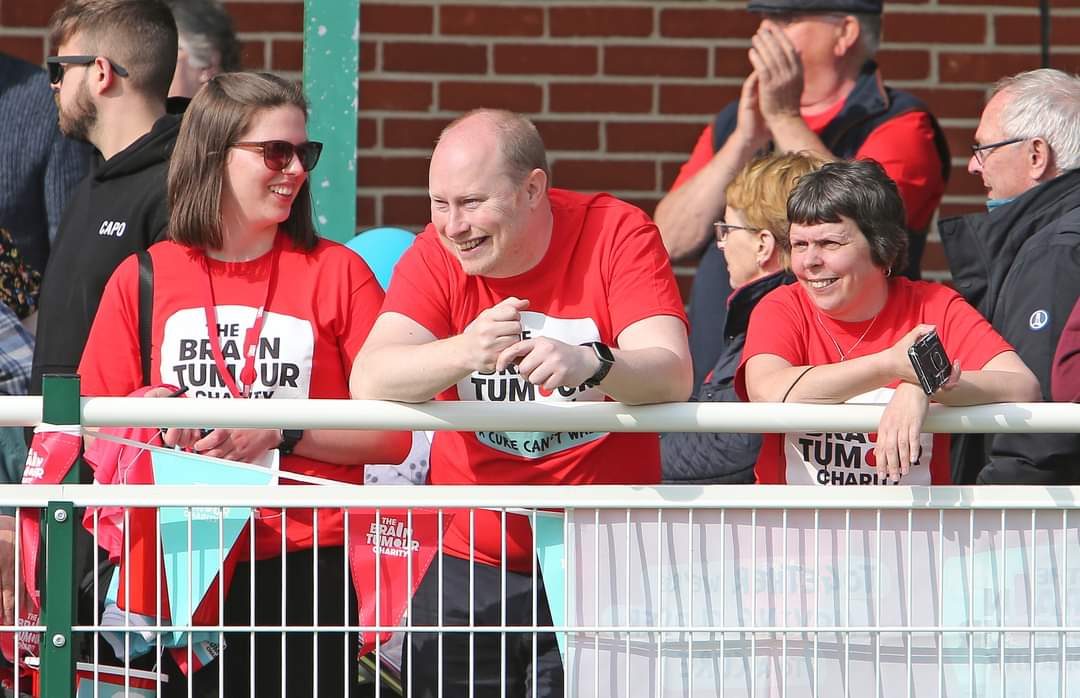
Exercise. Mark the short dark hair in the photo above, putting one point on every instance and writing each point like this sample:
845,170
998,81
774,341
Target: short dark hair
217,117
859,190
207,29
520,141
139,35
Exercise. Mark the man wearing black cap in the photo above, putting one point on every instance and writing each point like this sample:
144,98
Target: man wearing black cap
814,87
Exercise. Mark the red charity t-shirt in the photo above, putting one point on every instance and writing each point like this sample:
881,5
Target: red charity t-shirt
321,309
785,323
605,269
904,146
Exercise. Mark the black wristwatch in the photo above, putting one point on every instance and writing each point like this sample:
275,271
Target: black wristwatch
289,439
607,360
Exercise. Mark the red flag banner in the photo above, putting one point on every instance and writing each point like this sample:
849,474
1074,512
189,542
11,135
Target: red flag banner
380,550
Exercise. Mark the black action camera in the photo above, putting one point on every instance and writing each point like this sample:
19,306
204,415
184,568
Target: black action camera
931,364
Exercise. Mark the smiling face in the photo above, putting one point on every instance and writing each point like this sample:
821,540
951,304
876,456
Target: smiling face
482,214
253,196
832,263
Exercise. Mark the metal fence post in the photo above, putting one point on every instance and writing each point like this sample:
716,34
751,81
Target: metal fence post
61,406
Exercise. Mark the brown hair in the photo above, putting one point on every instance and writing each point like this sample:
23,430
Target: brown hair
217,117
521,144
138,35
761,189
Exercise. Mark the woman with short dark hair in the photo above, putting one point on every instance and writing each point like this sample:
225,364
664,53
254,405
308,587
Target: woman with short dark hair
842,334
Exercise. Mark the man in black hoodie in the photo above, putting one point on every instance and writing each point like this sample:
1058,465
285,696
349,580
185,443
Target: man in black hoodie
1019,263
115,60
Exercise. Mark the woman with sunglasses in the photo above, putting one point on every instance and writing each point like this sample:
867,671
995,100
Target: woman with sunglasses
249,303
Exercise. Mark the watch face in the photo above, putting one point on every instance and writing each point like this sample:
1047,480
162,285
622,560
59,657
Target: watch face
604,352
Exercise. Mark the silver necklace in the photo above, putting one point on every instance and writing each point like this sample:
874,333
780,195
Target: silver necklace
841,352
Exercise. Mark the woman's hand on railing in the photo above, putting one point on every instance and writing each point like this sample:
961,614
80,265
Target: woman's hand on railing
901,423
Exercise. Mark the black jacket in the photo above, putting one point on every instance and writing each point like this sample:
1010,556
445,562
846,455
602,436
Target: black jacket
1019,265
720,457
118,209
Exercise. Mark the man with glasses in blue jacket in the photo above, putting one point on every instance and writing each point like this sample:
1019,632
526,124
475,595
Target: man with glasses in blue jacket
1019,263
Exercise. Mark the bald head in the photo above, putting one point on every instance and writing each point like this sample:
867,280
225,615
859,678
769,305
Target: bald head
516,138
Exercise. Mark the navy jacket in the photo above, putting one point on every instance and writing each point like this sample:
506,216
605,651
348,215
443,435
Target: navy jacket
1019,265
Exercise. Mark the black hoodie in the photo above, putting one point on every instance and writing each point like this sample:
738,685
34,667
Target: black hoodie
118,209
1020,267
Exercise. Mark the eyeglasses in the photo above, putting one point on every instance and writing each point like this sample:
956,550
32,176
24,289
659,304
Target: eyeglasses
277,155
981,152
55,65
723,229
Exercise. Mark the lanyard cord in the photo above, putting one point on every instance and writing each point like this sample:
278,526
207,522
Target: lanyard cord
251,337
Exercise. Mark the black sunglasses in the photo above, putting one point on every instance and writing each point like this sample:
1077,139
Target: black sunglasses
277,155
55,65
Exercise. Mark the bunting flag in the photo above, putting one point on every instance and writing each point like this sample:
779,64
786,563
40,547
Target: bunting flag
381,549
549,537
48,460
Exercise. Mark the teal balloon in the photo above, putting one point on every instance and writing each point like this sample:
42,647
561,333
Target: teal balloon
381,248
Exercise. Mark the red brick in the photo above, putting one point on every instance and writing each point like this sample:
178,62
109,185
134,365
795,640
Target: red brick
462,96
900,64
569,135
491,20
708,24
584,97
392,172
406,211
412,133
605,175
419,57
656,60
29,48
253,55
934,258
1024,29
645,203
26,13
669,171
948,103
545,59
651,137
960,140
731,62
600,21
391,94
983,67
368,51
366,133
395,19
266,16
1005,3
286,55
1063,3
961,183
696,99
365,211
933,27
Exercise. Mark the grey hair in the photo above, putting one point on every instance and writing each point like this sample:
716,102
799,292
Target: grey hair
206,33
869,33
1044,103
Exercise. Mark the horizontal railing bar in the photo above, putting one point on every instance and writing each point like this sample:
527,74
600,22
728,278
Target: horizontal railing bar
672,497
599,629
606,416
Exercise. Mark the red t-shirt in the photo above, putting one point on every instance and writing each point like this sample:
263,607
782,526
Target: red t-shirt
604,270
786,323
322,305
904,146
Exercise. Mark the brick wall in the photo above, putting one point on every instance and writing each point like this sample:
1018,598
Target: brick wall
620,90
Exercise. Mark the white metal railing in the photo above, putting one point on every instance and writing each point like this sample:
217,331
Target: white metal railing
599,416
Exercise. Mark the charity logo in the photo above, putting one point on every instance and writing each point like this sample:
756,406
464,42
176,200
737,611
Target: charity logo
389,536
